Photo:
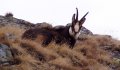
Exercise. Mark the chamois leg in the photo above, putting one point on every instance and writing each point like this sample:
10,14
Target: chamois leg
72,42
59,39
47,40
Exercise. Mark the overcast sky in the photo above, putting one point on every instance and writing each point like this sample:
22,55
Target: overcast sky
103,17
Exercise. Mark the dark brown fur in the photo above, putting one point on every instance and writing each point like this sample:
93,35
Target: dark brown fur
60,35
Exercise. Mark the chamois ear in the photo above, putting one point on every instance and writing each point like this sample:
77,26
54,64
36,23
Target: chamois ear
73,18
82,20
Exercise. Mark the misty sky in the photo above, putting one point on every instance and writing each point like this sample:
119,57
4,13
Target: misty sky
103,17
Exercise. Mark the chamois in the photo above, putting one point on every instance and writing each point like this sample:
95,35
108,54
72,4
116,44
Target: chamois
67,34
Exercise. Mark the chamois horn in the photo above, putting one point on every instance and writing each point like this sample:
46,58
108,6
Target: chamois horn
73,18
82,20
76,14
84,16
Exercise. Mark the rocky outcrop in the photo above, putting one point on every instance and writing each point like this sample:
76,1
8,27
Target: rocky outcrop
5,55
85,31
10,20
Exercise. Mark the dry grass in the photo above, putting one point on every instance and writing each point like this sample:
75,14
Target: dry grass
14,29
89,54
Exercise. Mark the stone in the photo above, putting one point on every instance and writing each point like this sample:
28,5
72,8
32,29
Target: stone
85,31
5,54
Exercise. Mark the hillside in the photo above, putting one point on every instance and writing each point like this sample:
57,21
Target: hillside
91,52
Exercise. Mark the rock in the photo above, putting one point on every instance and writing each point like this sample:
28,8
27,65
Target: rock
8,15
69,24
114,52
5,54
85,31
8,19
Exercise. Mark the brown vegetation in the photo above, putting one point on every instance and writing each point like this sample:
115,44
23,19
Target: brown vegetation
93,53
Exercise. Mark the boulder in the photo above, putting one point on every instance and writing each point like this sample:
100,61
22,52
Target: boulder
5,54
85,31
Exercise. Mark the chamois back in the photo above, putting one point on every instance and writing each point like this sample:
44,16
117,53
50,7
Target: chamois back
44,34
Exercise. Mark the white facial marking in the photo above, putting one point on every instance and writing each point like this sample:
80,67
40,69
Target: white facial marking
71,32
77,27
77,35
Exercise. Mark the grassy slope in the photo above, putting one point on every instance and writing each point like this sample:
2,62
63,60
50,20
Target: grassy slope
89,54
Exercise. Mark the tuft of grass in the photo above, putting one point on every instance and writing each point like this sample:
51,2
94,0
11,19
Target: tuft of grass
12,29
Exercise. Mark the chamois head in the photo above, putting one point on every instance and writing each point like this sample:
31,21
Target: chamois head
74,29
